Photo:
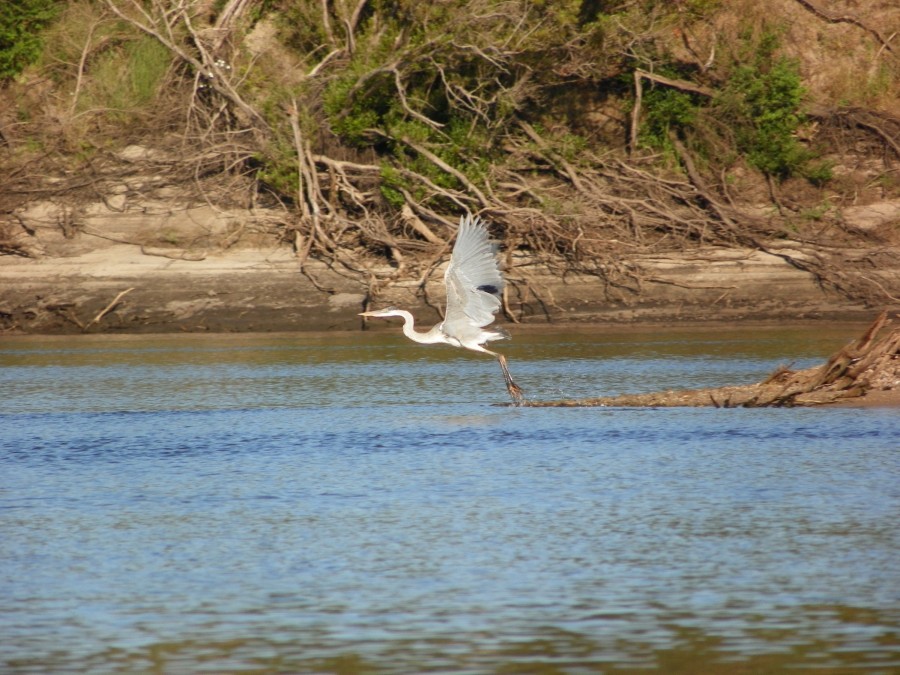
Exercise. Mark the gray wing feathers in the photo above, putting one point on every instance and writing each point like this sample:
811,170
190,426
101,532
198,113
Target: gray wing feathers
473,280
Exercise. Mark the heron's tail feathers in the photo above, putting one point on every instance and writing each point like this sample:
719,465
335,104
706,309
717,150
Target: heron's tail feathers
497,333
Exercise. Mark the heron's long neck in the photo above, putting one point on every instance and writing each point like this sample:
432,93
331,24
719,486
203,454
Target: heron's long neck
410,331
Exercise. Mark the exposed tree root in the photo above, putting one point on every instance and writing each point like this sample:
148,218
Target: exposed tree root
870,362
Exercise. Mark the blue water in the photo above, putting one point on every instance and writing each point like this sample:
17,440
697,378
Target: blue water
355,504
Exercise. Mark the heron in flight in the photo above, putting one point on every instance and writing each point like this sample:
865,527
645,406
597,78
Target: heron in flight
474,285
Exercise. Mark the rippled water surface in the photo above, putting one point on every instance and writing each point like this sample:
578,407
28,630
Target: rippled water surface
354,503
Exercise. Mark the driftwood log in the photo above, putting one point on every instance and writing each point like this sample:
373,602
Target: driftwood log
871,362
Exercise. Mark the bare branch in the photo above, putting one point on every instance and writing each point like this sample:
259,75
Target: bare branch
357,13
106,309
401,92
167,39
681,85
326,22
441,164
830,18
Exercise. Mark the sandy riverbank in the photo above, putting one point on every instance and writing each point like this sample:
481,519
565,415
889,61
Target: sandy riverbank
263,289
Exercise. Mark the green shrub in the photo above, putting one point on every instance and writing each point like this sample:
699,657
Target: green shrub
761,102
391,183
667,110
755,113
20,39
818,173
277,169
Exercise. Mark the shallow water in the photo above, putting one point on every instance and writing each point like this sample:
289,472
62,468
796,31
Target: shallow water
354,503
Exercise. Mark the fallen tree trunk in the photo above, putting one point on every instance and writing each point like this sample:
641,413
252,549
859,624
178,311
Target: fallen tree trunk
868,363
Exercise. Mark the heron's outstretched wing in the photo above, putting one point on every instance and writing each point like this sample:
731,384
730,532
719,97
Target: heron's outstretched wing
473,281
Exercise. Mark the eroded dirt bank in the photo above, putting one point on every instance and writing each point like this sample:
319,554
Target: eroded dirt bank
119,288
140,252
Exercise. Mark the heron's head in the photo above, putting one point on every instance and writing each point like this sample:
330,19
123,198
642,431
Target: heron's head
381,313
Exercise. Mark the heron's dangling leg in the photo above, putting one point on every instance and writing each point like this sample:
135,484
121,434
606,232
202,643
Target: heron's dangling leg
515,392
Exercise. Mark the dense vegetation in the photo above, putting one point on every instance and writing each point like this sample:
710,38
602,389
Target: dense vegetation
582,128
21,22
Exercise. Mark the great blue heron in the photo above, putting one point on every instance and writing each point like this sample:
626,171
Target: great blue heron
474,285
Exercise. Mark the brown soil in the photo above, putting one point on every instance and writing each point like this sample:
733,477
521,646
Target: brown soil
252,289
188,265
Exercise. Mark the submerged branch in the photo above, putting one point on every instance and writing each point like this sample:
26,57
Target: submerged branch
870,362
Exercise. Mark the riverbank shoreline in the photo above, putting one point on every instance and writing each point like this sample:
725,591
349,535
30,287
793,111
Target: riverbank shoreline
117,289
122,289
886,393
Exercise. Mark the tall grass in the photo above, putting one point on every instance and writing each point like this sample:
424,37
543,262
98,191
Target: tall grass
125,79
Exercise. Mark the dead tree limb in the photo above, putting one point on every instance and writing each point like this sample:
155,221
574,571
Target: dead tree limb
681,85
868,363
830,18
165,34
864,120
106,310
441,164
567,169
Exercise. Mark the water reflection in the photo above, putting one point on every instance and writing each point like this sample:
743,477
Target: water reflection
548,650
353,504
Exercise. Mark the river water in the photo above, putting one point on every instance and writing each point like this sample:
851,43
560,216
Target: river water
354,503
